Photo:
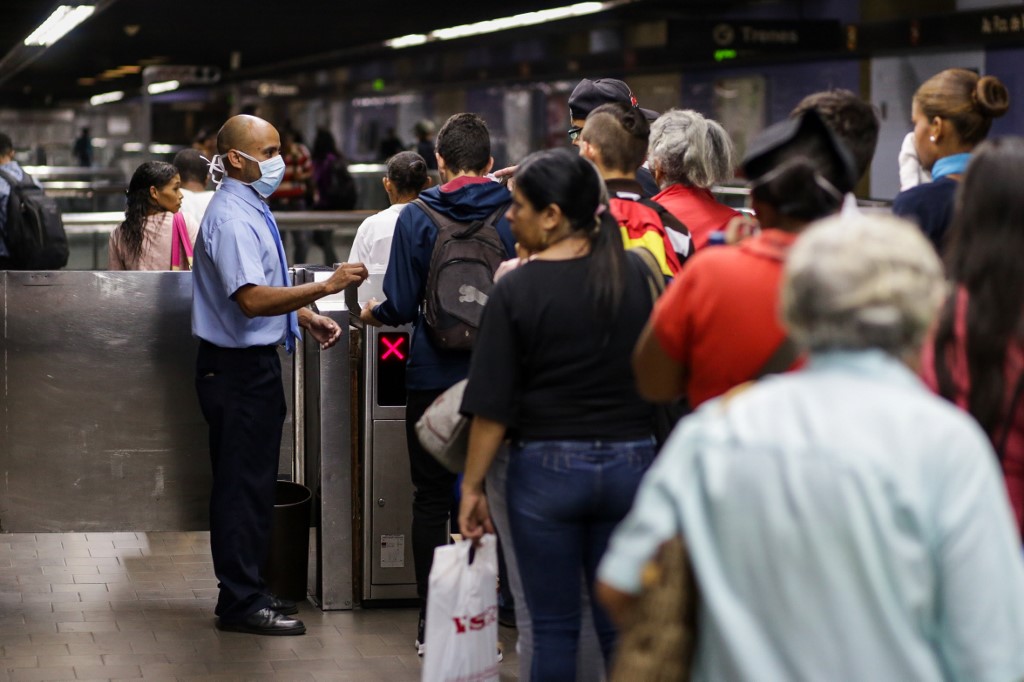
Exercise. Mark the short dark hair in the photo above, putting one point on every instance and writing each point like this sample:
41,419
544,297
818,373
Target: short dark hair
6,145
191,166
851,118
620,133
464,143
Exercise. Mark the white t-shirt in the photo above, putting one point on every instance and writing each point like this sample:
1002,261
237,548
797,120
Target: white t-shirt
372,244
195,203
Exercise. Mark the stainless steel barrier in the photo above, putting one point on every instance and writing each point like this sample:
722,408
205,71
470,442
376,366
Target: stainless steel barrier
88,233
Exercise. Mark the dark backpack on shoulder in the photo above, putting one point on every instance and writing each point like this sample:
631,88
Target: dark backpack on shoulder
461,276
34,232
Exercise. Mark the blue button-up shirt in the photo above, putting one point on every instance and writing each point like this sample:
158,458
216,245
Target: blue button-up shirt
843,524
235,247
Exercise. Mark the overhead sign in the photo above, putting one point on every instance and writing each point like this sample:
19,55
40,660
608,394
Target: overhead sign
980,27
737,39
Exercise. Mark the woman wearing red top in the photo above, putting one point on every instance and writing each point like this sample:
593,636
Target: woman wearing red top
717,325
688,154
976,358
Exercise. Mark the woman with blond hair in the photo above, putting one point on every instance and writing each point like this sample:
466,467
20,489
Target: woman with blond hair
952,113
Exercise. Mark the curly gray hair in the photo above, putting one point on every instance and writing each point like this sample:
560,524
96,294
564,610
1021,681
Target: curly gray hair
858,282
687,148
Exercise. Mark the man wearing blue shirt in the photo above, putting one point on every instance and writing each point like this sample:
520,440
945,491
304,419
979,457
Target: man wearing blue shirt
463,160
242,309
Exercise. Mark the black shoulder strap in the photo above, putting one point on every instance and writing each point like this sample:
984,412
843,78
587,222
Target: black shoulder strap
668,219
439,219
10,179
443,221
652,271
782,359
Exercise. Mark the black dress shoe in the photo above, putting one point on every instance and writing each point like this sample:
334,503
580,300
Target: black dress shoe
264,622
286,607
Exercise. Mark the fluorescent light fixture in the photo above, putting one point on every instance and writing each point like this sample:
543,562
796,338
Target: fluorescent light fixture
63,19
99,142
133,146
505,23
367,168
106,98
163,86
406,41
162,148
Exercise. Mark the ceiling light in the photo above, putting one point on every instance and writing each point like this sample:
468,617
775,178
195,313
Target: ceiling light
162,149
163,86
106,98
133,146
63,19
406,41
505,23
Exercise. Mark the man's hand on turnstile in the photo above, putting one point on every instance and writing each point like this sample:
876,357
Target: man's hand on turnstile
325,330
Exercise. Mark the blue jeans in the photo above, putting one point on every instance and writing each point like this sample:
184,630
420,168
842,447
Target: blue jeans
564,500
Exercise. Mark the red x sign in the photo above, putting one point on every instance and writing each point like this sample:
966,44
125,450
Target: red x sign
392,347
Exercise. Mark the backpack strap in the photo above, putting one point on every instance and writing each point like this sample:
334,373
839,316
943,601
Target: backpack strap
15,183
443,221
784,356
678,233
652,271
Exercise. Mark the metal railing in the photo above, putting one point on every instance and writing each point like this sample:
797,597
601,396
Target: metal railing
94,229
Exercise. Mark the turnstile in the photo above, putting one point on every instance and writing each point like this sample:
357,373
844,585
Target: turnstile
388,571
351,451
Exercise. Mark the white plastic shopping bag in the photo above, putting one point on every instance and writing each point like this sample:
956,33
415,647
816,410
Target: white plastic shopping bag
462,614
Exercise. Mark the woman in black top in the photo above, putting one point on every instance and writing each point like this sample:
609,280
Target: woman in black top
551,371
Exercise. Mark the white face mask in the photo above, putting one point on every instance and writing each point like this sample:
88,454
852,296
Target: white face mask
271,173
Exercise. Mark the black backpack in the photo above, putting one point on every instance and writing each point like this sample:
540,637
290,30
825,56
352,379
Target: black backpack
461,276
34,231
341,193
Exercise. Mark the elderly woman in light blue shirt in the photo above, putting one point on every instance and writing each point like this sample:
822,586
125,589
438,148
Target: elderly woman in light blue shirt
843,523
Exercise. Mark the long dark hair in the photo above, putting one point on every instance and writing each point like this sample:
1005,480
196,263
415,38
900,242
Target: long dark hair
564,178
985,249
324,144
150,174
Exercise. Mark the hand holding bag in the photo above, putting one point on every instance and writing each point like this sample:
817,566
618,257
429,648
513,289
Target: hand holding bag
659,641
444,432
462,613
180,242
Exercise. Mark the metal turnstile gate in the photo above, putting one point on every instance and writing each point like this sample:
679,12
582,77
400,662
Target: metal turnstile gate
388,571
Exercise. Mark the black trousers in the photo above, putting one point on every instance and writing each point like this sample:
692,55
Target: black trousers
433,494
242,399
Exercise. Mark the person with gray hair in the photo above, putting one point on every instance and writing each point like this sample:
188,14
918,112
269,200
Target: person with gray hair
842,522
688,154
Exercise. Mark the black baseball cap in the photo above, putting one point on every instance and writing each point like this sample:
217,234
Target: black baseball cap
590,94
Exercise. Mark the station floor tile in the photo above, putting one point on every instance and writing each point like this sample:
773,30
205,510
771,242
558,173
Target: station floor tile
139,606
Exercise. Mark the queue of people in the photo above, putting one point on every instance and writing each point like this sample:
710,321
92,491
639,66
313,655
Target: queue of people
849,479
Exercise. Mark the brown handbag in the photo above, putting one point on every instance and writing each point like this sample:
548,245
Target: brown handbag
659,639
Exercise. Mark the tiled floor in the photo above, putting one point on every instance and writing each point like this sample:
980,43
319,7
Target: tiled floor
119,606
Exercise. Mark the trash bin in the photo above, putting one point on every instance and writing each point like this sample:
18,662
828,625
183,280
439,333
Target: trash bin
285,574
